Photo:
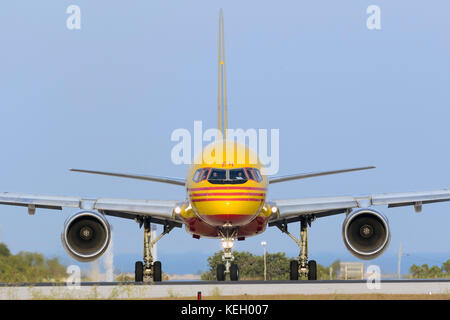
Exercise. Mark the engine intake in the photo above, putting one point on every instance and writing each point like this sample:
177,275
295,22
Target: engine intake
366,233
86,235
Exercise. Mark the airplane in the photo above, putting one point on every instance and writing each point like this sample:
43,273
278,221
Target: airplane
225,200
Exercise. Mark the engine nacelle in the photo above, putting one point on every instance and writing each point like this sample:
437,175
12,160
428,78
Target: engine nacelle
366,233
86,235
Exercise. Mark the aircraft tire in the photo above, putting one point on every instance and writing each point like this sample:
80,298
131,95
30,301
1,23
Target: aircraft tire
157,271
220,272
293,270
312,270
234,272
139,271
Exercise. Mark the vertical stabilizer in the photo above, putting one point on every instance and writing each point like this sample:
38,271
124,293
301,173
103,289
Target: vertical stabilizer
222,93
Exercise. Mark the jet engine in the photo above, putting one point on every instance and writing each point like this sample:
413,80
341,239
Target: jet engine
86,235
366,233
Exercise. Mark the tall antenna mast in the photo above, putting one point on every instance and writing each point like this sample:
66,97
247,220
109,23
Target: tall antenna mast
222,94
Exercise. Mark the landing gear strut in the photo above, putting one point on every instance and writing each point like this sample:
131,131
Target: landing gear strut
148,269
228,267
301,266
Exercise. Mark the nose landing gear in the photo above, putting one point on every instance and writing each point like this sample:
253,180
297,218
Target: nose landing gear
228,267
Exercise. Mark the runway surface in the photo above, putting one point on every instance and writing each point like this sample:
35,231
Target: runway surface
189,289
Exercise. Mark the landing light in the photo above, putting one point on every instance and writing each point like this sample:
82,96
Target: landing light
177,210
274,209
227,244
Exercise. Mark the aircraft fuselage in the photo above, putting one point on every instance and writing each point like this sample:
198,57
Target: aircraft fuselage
228,195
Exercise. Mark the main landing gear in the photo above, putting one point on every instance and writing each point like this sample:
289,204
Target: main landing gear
148,269
301,267
228,267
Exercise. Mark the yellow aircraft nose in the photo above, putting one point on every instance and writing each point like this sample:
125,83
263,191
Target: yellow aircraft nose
227,205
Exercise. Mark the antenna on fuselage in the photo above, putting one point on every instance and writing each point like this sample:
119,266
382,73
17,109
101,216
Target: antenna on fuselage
222,93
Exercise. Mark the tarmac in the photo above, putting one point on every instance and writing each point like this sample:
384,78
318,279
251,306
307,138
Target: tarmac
190,289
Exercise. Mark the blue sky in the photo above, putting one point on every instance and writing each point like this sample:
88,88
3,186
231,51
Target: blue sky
108,97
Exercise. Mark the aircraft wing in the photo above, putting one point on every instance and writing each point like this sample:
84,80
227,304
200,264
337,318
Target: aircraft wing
170,180
161,211
297,176
291,210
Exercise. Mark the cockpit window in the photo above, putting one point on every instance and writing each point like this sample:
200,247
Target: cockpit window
258,175
204,173
251,173
228,176
217,176
238,174
200,174
254,174
196,176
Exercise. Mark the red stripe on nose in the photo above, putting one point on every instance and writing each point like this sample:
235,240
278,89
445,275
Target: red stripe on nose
227,188
227,194
227,199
